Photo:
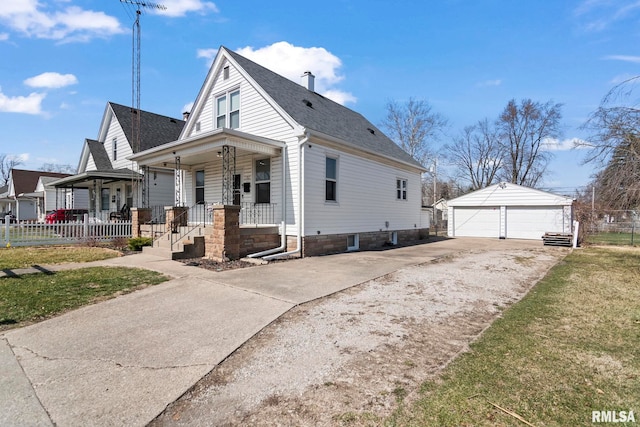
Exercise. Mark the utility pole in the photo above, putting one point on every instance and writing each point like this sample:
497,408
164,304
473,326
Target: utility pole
135,86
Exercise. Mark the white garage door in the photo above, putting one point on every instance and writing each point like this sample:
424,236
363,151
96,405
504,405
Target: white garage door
476,222
533,222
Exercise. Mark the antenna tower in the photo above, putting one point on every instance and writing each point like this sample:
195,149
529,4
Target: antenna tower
135,82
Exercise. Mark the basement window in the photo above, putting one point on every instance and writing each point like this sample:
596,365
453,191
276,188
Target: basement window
353,242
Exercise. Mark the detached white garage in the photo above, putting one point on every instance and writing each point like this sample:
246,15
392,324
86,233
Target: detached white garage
509,211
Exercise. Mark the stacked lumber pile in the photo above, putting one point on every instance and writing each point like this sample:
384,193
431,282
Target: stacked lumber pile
557,239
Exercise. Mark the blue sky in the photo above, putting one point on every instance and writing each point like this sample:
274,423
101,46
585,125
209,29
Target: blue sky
63,60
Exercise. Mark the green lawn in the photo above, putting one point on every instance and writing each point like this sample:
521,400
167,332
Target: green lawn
34,297
570,347
611,238
21,257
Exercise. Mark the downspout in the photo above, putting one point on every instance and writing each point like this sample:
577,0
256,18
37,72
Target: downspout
298,249
283,223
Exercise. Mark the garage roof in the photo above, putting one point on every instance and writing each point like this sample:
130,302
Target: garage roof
507,194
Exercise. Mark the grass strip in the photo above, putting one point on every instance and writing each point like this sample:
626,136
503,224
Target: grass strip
570,347
35,297
23,257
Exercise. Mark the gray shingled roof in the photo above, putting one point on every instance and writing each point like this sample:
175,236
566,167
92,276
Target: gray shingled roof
154,129
323,115
99,154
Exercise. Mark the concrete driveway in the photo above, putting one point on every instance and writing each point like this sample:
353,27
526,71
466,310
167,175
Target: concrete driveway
121,362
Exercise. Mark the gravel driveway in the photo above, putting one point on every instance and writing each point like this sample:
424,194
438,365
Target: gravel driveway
352,356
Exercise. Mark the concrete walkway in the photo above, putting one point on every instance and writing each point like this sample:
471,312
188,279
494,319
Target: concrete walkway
122,361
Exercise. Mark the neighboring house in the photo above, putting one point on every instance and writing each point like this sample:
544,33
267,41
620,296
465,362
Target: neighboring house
33,195
287,154
6,204
113,180
509,211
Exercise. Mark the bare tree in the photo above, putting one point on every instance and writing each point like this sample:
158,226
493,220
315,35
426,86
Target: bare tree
523,128
477,154
55,167
414,126
614,145
7,162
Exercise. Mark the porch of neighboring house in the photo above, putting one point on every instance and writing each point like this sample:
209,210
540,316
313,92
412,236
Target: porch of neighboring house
228,201
111,194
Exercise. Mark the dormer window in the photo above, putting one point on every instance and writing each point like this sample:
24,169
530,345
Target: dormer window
228,110
115,148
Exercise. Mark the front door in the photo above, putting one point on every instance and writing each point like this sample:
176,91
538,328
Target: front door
236,189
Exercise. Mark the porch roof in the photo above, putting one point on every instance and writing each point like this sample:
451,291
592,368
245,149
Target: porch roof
85,179
206,147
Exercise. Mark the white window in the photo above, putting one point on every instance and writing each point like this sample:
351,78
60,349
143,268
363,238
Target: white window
331,180
228,110
401,189
199,186
115,148
353,242
263,181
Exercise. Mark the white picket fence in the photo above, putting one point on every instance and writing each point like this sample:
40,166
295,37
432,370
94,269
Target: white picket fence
87,230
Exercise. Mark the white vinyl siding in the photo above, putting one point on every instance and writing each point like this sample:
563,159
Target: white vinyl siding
366,193
116,133
161,188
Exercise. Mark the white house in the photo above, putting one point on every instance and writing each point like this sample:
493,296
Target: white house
287,154
32,194
111,178
509,211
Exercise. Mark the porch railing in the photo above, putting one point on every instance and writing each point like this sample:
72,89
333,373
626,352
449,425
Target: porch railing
201,215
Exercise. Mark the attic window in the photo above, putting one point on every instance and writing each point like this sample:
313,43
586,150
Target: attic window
225,73
307,103
371,131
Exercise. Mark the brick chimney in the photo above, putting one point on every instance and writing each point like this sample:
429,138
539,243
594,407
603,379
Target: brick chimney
308,81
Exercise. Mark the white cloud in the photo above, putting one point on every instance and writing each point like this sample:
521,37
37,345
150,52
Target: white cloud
31,104
187,108
292,61
208,54
625,58
621,78
4,37
486,83
598,15
177,8
554,144
47,21
51,80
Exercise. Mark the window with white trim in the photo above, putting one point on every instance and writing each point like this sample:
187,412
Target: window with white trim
331,180
353,242
228,110
401,189
263,181
199,186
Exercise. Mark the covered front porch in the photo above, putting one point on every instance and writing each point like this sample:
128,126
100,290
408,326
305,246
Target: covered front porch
224,167
217,171
111,193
